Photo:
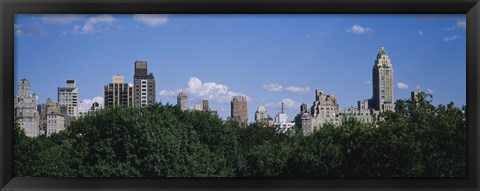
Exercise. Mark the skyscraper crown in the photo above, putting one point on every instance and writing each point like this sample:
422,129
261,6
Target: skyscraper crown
382,52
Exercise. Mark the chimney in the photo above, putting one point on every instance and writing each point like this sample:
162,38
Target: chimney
282,107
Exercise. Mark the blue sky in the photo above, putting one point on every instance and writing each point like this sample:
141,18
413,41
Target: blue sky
269,58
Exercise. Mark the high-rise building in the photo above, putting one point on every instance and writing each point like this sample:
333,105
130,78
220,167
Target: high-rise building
281,123
303,108
182,101
205,105
239,109
281,117
363,105
118,93
414,95
324,106
144,85
25,109
382,81
68,96
95,107
261,115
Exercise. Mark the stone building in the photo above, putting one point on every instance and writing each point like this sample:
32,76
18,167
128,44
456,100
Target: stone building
324,109
303,119
364,116
182,101
55,123
25,109
118,93
239,109
144,85
262,117
382,82
205,106
48,108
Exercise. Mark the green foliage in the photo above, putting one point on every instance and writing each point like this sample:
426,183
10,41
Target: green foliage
417,140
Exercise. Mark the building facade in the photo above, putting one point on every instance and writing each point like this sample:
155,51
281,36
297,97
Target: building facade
325,108
364,116
261,116
68,97
281,122
55,123
144,85
95,107
51,107
118,93
182,101
382,82
25,109
239,109
205,106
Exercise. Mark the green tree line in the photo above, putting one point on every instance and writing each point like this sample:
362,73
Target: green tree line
417,140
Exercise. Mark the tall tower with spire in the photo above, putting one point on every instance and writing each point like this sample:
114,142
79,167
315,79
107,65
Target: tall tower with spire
382,81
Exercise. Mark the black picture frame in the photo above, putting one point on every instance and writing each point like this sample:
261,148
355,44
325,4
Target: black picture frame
8,8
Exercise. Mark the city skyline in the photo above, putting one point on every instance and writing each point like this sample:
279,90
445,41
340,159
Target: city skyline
244,55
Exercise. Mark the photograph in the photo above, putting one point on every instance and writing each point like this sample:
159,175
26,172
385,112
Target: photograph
240,95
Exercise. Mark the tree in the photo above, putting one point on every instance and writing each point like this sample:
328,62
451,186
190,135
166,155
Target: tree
417,140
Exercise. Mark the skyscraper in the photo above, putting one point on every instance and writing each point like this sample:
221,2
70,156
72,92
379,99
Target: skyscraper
144,85
261,115
68,96
382,81
182,101
25,112
118,93
205,105
239,109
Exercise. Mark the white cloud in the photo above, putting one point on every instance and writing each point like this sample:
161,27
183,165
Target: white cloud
167,93
287,104
401,85
273,87
462,25
63,33
357,29
368,82
93,24
60,18
420,33
430,91
417,87
86,104
450,38
29,30
17,29
152,20
210,90
297,90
